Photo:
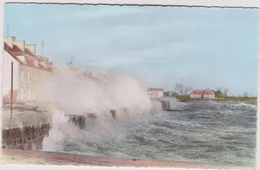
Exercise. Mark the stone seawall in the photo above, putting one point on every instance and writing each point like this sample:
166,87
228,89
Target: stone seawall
25,130
27,138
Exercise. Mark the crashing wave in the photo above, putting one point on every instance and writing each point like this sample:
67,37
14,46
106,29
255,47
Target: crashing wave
108,103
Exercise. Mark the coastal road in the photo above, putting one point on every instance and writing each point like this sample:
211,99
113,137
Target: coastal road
51,158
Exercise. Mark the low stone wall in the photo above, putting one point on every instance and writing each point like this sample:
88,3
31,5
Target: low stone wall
165,105
78,120
27,138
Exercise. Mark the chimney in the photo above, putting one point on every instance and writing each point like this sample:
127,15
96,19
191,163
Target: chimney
9,41
20,45
31,48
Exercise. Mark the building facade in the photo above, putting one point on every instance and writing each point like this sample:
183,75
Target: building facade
30,72
202,94
155,93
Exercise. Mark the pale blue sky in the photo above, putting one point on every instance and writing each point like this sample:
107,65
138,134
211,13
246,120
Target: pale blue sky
159,46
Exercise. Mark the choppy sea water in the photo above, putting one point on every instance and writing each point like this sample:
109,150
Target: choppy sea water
210,132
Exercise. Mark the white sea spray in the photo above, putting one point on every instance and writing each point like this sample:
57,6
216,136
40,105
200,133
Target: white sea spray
78,94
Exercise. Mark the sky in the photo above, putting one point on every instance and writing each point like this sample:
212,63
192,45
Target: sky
159,46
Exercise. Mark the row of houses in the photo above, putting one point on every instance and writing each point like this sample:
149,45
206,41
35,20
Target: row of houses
30,71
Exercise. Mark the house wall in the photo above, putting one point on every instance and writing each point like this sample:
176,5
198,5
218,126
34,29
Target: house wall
212,96
155,94
205,96
32,83
7,59
195,96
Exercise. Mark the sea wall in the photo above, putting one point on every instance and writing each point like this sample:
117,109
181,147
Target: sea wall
165,105
27,138
25,130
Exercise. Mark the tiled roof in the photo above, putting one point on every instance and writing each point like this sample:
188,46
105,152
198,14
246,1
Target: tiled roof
18,53
16,49
46,69
9,50
27,52
30,62
203,92
49,64
29,57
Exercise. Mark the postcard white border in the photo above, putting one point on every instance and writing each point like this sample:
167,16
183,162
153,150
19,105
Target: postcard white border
192,3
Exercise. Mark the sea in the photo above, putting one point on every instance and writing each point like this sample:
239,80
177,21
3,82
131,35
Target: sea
209,132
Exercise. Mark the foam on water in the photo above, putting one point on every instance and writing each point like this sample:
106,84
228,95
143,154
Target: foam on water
234,105
218,136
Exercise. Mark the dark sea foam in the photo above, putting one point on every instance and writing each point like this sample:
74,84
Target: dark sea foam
210,132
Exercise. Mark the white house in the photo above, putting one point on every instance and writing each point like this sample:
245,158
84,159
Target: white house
202,94
155,93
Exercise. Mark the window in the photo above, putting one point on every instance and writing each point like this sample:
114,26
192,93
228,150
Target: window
21,97
22,76
28,77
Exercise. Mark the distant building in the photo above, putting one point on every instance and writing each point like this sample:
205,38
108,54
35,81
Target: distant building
30,72
202,94
155,93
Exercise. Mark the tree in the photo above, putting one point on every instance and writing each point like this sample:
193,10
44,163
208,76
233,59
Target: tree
219,89
225,91
181,89
167,93
218,93
245,95
221,93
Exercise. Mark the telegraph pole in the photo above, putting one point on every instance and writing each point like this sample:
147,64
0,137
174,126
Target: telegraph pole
11,89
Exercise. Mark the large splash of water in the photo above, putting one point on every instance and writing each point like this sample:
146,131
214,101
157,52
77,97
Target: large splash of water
79,94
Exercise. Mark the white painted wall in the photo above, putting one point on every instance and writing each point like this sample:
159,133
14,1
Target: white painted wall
155,94
7,73
208,96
